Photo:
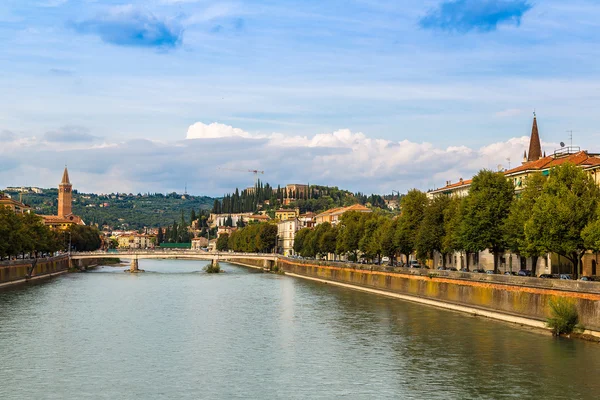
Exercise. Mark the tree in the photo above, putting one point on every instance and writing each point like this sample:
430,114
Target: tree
223,242
567,204
371,240
300,240
451,240
386,232
159,236
350,233
520,212
431,232
485,210
413,210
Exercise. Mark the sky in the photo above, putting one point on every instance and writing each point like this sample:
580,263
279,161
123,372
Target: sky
367,95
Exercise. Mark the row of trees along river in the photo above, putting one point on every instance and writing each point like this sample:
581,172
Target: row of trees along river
556,213
26,235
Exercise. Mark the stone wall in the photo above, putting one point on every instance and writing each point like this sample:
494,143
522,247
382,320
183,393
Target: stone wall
518,296
19,269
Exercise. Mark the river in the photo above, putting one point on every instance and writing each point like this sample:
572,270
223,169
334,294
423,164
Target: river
176,332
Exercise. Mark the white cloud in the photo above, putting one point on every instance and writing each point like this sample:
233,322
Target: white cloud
343,158
215,130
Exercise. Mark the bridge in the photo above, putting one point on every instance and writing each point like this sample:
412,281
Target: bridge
268,259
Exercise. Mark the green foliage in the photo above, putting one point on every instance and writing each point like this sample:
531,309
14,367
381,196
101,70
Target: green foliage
567,204
223,242
432,229
121,210
25,234
85,238
451,241
213,268
486,208
254,238
413,211
564,317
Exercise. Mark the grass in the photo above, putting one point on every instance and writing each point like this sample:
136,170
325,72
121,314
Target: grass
564,317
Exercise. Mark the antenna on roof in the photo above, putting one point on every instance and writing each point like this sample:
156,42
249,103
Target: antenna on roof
562,144
570,132
508,159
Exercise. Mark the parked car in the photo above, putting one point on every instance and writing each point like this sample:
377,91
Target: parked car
479,271
565,277
490,272
546,276
510,273
414,264
464,270
451,269
586,278
524,272
441,268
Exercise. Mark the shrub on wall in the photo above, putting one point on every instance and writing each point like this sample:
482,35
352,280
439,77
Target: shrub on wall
564,317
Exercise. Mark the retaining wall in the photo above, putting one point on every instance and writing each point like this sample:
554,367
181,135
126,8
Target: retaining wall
18,270
513,298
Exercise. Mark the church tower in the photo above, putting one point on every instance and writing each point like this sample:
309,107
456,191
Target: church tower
535,148
64,196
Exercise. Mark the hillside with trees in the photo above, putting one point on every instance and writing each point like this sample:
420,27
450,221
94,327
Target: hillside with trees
120,210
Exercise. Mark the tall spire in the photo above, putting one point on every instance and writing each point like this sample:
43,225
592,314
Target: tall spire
535,148
65,178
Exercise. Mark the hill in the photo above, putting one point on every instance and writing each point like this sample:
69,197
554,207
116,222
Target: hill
120,210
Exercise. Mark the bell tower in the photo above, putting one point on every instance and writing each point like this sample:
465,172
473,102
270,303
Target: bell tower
64,196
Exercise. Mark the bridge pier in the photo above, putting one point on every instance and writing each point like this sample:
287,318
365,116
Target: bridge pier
134,266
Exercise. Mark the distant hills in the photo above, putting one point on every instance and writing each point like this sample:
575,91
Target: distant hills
119,210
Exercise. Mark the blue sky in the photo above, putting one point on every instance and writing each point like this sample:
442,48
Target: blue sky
371,95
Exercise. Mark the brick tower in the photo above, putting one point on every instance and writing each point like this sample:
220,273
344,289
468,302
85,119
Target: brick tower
64,196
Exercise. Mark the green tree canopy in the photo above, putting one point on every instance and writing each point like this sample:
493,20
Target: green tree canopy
567,204
486,208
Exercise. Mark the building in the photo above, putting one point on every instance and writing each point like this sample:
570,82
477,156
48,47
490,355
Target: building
285,214
16,206
307,220
296,191
534,161
199,243
65,217
286,232
258,218
136,241
333,215
216,220
225,230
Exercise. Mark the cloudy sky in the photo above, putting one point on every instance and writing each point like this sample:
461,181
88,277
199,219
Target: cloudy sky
368,95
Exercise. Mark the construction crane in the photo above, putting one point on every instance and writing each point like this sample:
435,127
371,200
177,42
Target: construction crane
254,171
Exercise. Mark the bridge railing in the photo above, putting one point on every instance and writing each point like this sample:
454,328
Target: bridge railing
173,252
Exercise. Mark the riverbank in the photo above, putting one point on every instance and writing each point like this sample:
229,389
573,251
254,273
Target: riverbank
516,304
19,272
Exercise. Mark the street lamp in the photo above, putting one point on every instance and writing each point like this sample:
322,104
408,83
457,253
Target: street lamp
69,243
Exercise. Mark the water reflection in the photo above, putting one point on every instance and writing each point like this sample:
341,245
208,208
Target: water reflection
177,332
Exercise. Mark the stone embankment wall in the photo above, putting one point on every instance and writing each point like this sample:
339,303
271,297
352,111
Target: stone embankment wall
18,270
501,294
